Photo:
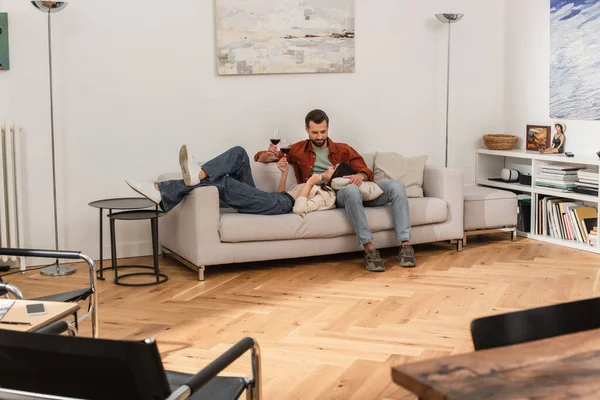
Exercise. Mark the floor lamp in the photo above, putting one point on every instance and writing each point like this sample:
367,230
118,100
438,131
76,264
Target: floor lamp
448,19
50,7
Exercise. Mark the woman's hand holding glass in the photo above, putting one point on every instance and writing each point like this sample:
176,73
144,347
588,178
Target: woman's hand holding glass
283,165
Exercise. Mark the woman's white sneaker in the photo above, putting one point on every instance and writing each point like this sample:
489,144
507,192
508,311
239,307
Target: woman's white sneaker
189,167
146,189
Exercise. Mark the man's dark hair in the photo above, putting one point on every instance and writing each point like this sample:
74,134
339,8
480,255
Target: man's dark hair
316,116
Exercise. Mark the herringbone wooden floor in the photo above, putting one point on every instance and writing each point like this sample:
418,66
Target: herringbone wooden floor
327,328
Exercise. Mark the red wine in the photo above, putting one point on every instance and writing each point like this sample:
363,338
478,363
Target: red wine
285,150
275,141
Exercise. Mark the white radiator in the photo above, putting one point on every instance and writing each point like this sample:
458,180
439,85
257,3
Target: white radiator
11,208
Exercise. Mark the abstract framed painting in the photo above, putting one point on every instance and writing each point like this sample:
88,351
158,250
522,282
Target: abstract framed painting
4,60
284,36
575,59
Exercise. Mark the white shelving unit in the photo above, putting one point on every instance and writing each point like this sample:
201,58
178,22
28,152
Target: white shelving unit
491,162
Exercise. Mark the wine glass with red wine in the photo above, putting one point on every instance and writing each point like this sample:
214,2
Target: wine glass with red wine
285,146
275,139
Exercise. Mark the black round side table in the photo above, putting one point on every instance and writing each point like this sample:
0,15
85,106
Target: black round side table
121,203
153,216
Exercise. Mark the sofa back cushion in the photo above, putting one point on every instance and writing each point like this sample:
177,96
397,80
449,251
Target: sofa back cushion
266,176
409,171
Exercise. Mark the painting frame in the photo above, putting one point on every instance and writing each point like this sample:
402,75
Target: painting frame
4,50
537,137
264,37
574,60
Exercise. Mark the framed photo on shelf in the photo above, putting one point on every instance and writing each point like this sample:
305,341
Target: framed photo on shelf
538,137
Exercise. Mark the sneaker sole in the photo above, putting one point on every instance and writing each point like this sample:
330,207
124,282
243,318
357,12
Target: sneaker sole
137,190
183,163
376,269
407,264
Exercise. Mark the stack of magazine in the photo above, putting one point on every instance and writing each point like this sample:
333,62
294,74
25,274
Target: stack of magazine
587,182
562,177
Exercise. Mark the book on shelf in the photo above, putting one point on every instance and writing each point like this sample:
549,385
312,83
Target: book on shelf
584,190
552,185
588,173
555,172
555,177
524,213
586,184
561,167
566,219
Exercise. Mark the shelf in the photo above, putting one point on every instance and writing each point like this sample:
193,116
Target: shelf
491,162
562,242
518,153
503,185
588,159
566,195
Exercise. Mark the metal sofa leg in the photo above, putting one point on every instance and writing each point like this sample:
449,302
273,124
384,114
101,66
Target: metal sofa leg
201,273
513,235
464,240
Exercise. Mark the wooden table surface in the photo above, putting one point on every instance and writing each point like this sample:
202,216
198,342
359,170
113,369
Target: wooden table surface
55,311
563,367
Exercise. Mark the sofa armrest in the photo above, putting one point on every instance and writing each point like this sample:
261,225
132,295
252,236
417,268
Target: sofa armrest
447,184
192,227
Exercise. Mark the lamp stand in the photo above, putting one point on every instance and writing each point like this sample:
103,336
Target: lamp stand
449,19
50,7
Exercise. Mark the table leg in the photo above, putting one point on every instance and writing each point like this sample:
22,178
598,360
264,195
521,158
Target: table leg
113,249
154,227
101,277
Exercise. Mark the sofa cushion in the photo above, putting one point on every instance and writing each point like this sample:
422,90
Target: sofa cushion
409,171
235,227
487,208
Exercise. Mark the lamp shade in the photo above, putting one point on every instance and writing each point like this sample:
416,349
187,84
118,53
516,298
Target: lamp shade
49,6
447,18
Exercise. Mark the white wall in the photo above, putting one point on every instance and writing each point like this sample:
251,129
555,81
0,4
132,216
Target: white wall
136,80
528,77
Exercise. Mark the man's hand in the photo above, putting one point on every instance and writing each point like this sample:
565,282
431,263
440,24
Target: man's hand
270,155
273,152
357,179
283,165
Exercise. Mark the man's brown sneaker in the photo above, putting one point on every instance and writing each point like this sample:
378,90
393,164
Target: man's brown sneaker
406,256
373,261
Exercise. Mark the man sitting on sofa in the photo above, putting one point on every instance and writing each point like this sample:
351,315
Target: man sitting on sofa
316,154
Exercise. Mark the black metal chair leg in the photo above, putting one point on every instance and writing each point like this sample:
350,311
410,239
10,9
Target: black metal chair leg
101,277
113,249
154,227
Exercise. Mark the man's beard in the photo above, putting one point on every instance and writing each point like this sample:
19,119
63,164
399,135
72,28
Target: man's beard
318,143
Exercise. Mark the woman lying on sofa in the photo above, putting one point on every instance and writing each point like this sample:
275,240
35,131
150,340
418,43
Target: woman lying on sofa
230,173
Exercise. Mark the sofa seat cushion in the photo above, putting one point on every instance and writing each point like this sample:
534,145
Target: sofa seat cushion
235,227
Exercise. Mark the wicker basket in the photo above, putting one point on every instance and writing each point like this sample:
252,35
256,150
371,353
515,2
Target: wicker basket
499,141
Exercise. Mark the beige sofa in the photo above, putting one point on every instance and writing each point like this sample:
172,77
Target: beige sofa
199,232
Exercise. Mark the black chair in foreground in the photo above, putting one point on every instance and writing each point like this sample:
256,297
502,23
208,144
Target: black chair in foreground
52,367
535,324
87,293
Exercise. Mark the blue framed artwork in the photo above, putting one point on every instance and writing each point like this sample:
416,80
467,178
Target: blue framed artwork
575,59
4,61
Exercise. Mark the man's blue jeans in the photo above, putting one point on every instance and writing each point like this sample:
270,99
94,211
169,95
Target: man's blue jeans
230,173
349,197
